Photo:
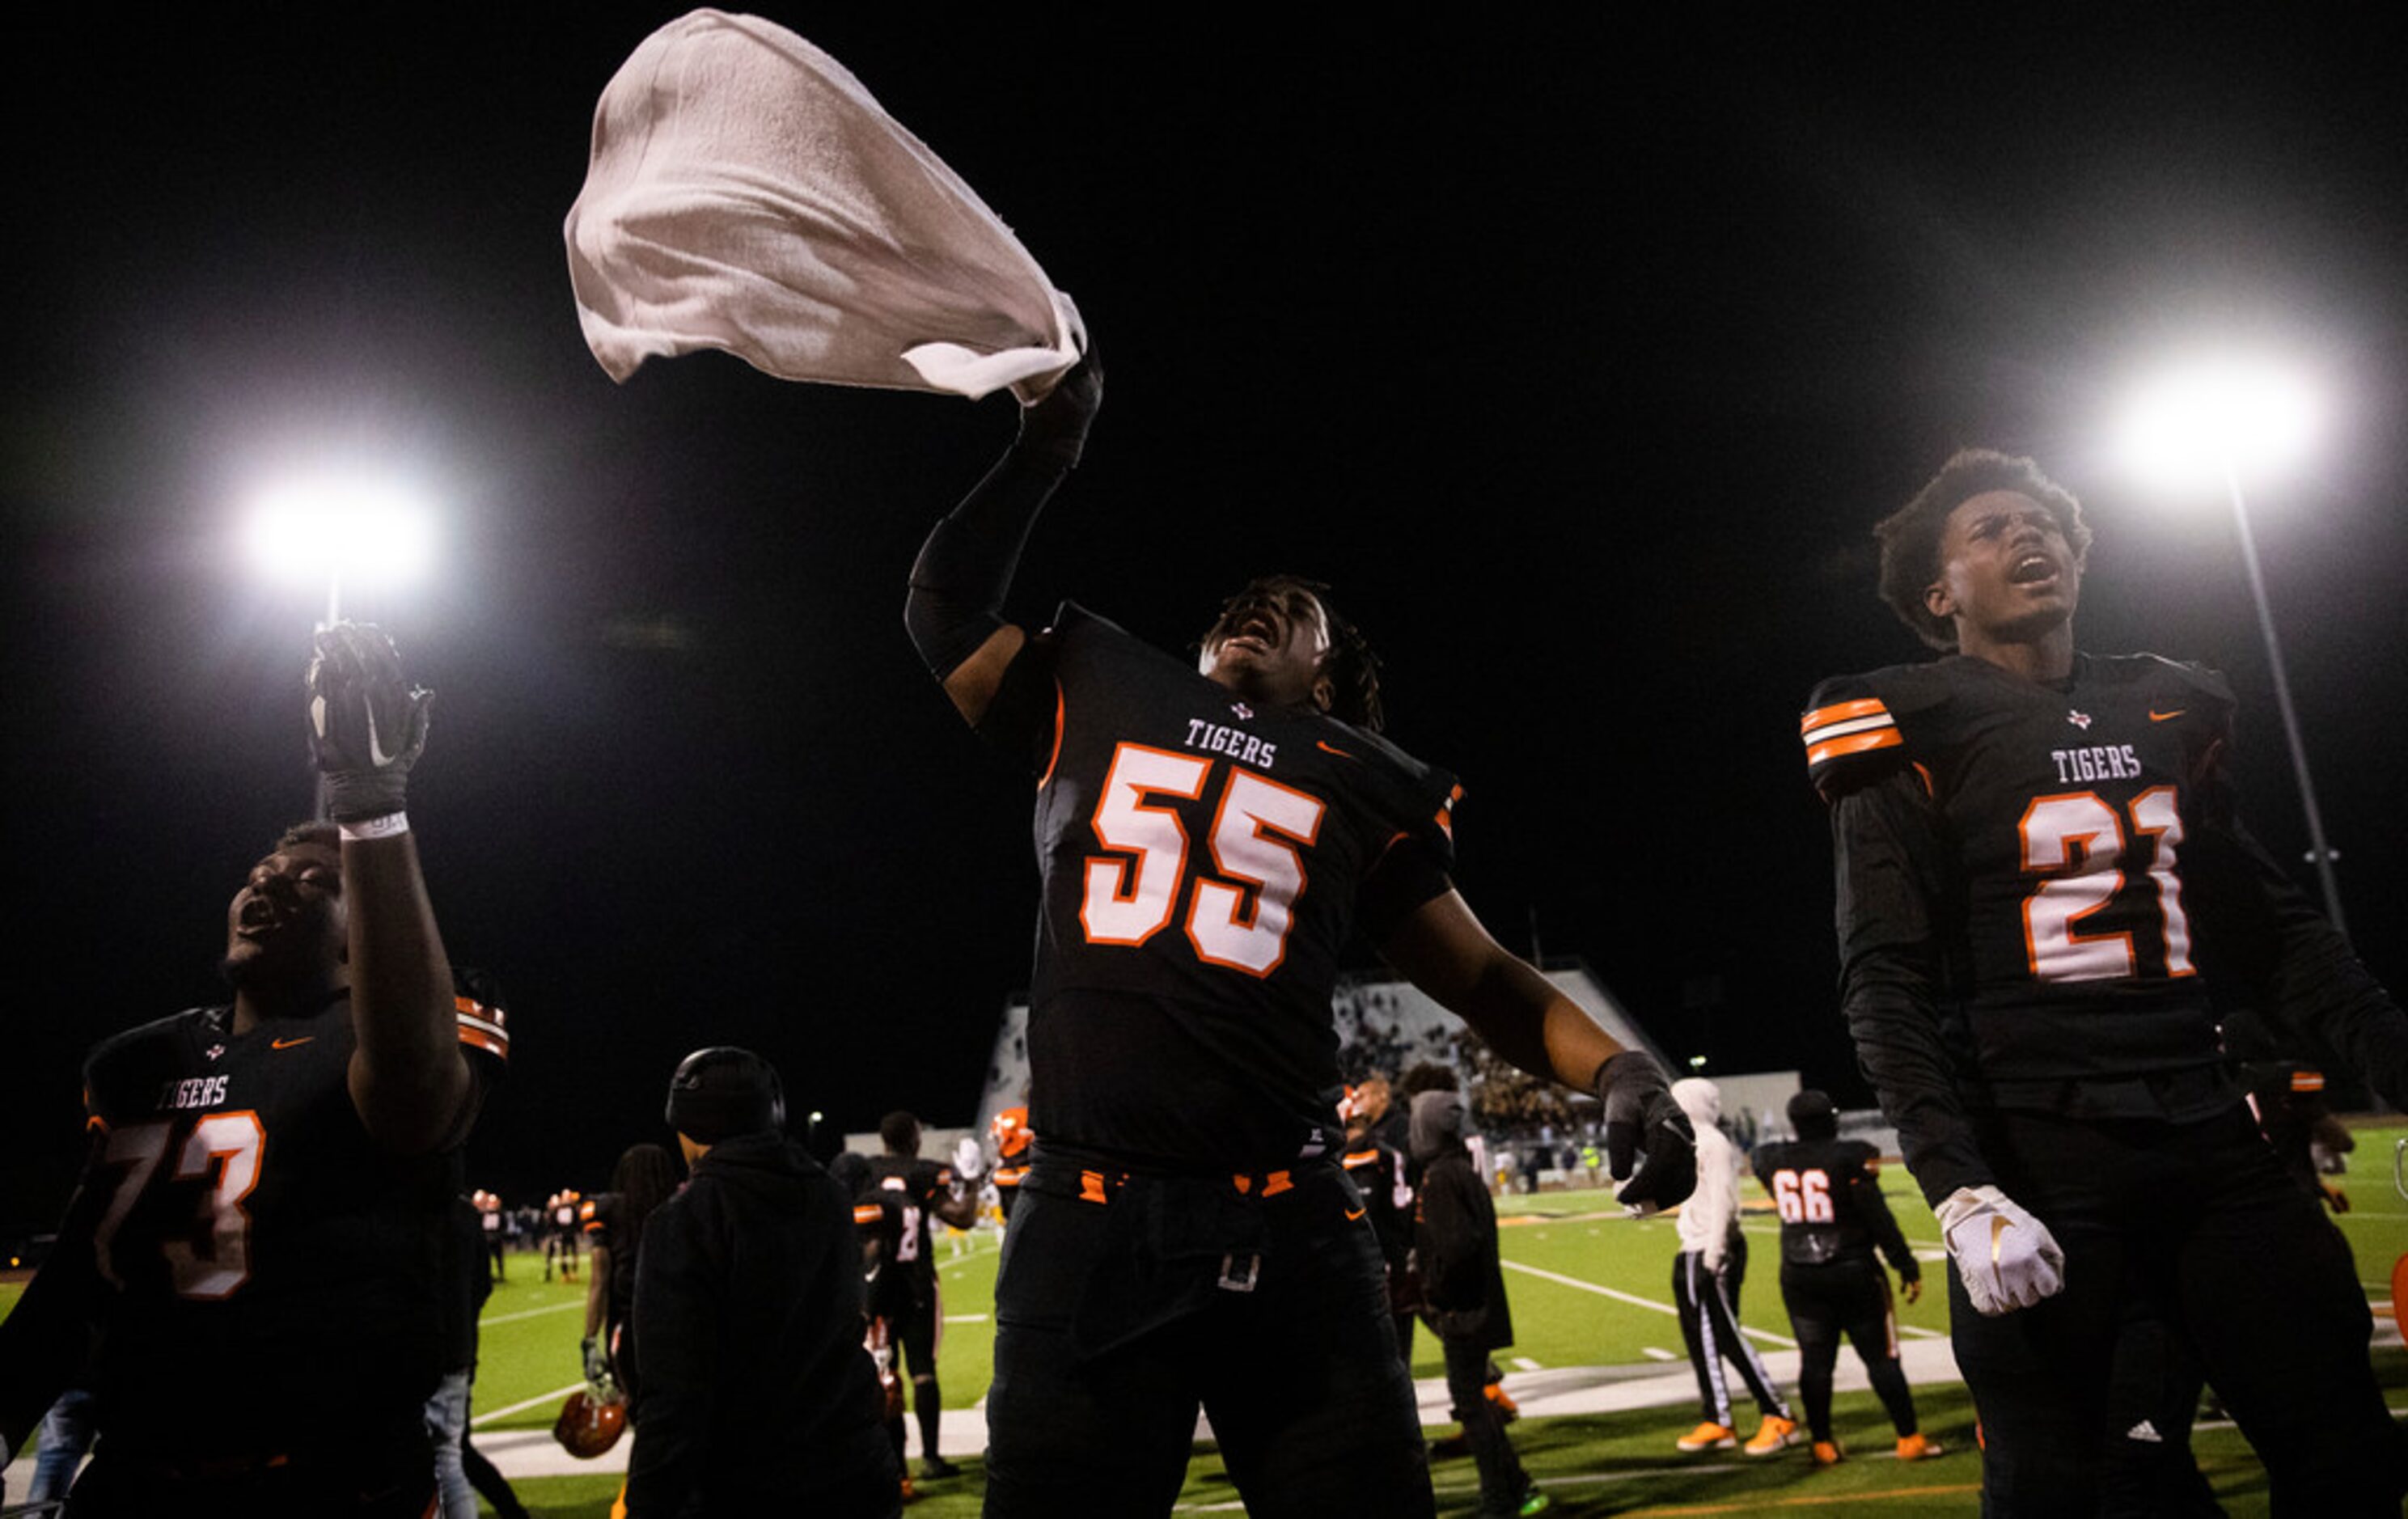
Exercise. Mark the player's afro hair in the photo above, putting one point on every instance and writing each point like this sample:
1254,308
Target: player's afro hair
1352,669
1910,537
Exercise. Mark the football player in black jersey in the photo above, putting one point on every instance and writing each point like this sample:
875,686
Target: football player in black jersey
260,1234
904,1291
2038,866
1208,837
1833,1216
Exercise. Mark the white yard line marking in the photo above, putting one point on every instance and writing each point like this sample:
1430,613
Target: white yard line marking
528,1313
1627,1297
1655,1355
538,1401
1524,1363
964,1318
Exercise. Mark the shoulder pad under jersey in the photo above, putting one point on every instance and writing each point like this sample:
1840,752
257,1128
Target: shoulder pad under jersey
1851,725
122,1072
2176,678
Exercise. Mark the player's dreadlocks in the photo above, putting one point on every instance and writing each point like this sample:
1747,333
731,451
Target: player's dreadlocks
317,831
1910,537
1352,669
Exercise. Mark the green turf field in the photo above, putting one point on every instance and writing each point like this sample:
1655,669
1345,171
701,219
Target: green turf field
1565,1251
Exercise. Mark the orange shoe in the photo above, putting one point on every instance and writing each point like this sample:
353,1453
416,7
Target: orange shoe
1918,1448
1507,1410
1774,1434
1708,1436
908,1495
1826,1453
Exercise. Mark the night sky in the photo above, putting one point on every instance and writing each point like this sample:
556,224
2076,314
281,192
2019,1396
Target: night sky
1580,356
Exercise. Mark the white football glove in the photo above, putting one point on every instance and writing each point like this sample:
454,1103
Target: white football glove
2007,1258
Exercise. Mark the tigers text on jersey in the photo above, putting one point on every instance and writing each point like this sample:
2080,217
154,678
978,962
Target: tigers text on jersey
1201,860
2045,876
1830,1203
267,1265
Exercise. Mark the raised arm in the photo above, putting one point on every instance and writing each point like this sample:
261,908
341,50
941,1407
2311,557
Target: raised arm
1443,949
955,610
408,1080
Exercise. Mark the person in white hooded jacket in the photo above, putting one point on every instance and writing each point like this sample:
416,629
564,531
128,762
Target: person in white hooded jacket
1701,1287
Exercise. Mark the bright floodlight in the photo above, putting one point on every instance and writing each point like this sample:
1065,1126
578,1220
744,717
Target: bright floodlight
329,530
2203,423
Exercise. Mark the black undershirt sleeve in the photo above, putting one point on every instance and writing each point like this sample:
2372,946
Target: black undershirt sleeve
1883,847
957,586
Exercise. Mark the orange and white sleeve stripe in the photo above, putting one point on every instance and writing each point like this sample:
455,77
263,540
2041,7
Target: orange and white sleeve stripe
482,1027
1847,727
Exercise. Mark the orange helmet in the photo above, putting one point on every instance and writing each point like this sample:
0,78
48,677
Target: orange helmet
1011,1132
590,1425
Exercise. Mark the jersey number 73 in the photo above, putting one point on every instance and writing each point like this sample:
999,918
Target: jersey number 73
235,1142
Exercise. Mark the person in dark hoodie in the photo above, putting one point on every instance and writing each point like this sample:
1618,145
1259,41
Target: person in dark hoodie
1462,1291
756,1394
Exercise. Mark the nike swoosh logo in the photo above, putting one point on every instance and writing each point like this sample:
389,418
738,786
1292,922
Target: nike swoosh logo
287,1044
1353,1214
2156,716
1329,750
1997,1237
378,758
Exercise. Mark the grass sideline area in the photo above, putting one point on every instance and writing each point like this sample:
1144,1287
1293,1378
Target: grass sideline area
1583,1278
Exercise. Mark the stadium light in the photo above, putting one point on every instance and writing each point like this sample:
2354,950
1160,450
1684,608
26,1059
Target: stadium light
334,528
2201,424
2204,423
338,529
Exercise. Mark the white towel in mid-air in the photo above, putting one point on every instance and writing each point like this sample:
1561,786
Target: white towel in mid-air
745,193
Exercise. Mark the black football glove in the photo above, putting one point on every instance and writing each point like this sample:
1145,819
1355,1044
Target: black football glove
598,1362
367,724
1644,1124
1055,428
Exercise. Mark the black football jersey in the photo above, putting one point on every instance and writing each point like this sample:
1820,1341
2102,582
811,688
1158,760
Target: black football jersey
268,1267
1201,859
1378,1173
2053,890
1830,1203
914,1187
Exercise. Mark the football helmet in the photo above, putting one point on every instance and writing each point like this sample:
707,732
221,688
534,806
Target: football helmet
592,1421
1011,1131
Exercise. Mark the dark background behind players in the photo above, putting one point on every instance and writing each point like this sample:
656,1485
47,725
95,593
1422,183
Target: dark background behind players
656,596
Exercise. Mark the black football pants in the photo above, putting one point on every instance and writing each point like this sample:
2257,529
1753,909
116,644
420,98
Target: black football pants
2248,1271
1845,1296
914,1319
1124,1306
